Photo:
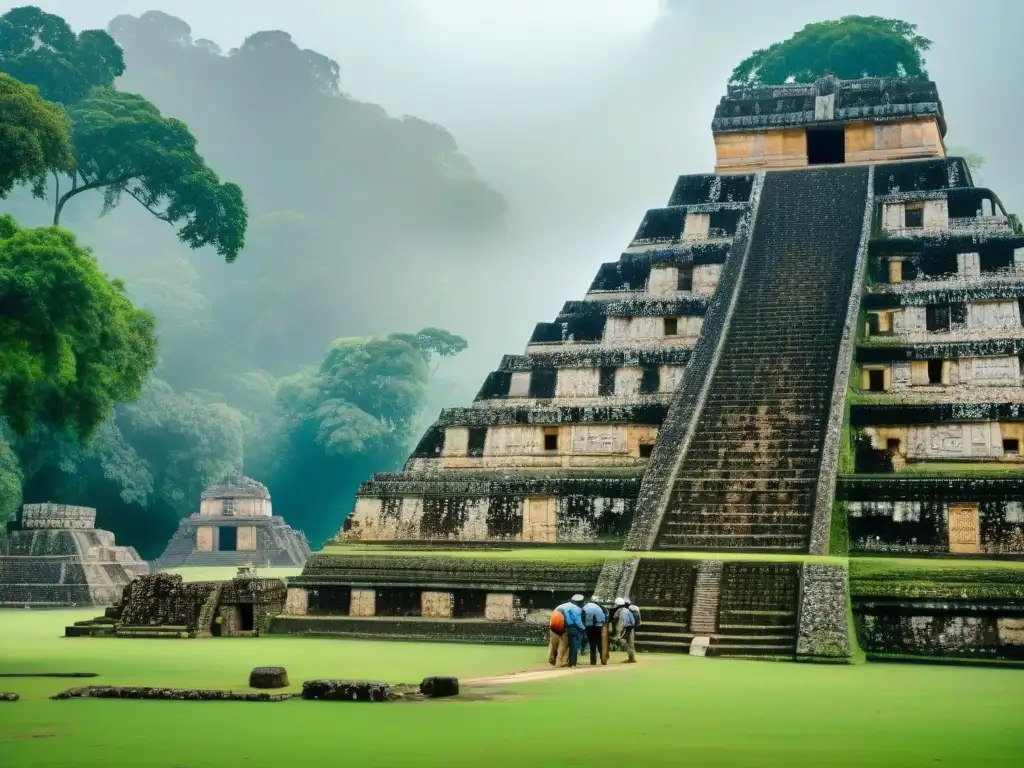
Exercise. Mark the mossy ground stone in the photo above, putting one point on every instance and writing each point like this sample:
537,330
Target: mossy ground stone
345,690
268,677
436,687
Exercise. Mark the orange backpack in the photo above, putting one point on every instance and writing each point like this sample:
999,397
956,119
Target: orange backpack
557,623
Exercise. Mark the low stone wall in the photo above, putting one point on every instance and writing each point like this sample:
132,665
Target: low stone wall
57,516
451,631
952,613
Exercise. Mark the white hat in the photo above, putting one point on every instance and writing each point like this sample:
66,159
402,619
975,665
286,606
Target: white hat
577,598
619,601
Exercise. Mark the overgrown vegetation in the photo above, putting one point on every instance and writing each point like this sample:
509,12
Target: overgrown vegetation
258,368
850,48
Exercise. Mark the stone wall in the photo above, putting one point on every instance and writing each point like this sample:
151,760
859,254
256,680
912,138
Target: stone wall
57,516
555,519
975,612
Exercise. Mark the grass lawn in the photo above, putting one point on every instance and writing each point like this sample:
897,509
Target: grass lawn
663,711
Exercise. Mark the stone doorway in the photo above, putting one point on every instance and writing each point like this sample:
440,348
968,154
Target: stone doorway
227,539
246,621
826,146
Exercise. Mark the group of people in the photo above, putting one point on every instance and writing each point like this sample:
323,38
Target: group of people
582,621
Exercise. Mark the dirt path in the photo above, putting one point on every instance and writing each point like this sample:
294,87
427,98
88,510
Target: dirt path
545,674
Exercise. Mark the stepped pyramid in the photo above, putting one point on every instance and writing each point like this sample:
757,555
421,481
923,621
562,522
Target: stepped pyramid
54,556
837,287
235,526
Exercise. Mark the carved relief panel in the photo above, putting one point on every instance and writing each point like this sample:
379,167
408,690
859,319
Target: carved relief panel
964,529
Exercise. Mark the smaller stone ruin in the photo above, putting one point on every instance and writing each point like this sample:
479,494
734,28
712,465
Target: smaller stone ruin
54,556
164,605
235,525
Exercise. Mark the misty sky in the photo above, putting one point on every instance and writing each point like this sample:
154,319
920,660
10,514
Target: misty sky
583,112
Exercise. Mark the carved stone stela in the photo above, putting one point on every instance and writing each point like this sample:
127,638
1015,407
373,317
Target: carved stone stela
964,529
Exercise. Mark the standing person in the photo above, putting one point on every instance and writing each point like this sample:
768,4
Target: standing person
635,611
626,624
573,612
558,643
593,621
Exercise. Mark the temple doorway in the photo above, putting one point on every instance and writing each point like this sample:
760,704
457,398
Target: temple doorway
245,618
228,539
826,146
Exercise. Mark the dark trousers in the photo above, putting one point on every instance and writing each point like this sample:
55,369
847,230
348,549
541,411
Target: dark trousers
594,641
575,638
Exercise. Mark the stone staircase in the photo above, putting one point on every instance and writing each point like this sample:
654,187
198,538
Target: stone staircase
704,616
749,476
757,611
663,590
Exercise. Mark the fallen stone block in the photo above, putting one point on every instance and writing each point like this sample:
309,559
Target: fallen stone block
8,696
345,690
268,677
436,687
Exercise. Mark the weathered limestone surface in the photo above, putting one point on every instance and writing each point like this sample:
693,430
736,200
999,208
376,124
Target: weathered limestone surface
242,506
53,555
824,633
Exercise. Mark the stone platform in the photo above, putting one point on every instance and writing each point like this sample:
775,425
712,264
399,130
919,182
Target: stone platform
54,556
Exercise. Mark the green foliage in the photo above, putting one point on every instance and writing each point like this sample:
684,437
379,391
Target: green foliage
123,145
40,48
850,48
71,343
838,532
10,483
35,136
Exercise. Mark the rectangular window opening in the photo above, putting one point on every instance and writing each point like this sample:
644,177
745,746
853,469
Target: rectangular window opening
876,381
671,326
685,280
551,439
913,215
934,371
938,317
646,449
1011,447
892,445
606,382
826,146
475,444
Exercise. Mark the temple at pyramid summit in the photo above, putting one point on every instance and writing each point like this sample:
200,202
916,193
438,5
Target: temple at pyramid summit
235,526
816,349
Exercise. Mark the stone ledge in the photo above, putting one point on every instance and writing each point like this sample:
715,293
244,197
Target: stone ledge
429,630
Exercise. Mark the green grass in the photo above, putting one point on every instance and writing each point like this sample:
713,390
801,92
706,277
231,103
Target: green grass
543,554
663,711
937,579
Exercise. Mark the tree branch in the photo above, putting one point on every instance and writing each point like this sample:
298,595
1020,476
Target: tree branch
151,209
77,189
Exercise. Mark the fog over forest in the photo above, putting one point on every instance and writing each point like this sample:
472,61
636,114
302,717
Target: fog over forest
461,164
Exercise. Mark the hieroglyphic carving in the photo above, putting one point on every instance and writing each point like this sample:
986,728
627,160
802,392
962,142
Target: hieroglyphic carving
993,314
964,529
993,371
591,439
955,441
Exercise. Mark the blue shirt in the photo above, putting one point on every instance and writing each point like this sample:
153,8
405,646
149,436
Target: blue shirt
573,615
593,615
626,617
